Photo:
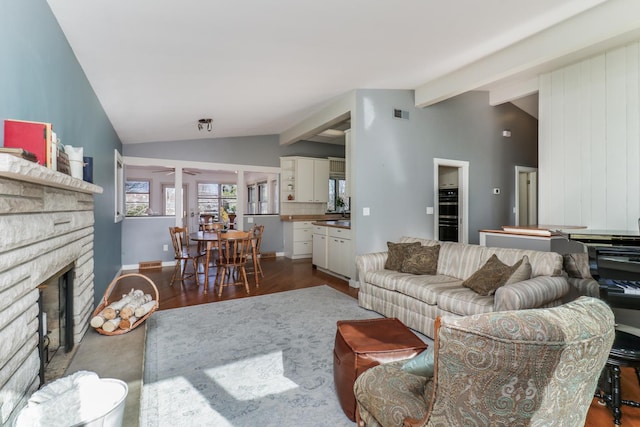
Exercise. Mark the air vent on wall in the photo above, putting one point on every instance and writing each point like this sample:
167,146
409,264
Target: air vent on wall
400,114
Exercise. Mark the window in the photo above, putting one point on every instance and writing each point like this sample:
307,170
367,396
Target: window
169,200
137,198
251,199
118,173
213,196
263,198
338,201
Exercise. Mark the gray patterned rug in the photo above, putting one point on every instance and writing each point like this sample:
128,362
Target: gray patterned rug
258,361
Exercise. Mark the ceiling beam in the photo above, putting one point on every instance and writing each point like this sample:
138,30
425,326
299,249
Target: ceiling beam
336,112
610,24
509,92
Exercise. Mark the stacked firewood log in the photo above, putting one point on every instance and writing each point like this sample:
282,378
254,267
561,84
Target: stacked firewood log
124,313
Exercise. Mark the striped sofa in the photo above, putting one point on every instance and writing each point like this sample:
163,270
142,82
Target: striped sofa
417,300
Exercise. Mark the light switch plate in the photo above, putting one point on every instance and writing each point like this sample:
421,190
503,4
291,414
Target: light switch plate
429,210
366,211
250,220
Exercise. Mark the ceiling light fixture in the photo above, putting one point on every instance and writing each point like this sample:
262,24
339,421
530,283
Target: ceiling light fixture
205,123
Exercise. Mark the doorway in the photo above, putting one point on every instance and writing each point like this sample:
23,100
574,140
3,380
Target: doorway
451,180
526,199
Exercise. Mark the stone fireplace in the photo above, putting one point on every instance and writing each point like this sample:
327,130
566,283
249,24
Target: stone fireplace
46,226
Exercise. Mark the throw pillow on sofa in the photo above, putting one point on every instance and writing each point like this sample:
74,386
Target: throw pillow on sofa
421,260
577,265
396,254
523,272
494,273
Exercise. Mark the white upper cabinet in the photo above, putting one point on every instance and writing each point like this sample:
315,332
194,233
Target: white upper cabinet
321,180
304,179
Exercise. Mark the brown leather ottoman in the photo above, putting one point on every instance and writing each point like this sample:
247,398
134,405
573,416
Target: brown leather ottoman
362,344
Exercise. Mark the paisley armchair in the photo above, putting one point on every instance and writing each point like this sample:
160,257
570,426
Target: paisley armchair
512,368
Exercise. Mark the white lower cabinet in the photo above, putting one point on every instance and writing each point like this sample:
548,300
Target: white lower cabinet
339,252
320,246
298,242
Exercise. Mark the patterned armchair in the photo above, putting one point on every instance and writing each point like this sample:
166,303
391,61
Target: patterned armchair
536,367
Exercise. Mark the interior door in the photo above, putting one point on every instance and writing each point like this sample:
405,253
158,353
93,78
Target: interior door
526,208
452,170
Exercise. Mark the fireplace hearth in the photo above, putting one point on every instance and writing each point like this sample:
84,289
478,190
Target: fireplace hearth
46,220
55,329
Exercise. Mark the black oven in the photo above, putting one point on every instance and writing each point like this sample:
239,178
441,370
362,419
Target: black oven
448,215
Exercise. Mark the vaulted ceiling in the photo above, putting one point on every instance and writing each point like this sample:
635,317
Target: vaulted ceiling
259,67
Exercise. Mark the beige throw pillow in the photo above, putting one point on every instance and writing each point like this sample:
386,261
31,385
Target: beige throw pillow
494,273
421,260
396,254
523,272
577,265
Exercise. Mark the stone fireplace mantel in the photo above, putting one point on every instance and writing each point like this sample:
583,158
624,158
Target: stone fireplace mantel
46,223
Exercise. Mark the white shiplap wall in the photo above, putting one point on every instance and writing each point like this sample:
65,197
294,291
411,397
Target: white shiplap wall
589,142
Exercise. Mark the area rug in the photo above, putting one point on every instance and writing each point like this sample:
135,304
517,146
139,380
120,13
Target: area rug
259,361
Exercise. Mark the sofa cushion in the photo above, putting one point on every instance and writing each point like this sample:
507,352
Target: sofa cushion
425,288
421,260
542,263
464,301
493,274
460,260
397,253
386,279
402,396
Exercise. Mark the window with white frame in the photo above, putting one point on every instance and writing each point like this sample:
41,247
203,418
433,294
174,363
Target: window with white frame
169,199
338,200
263,198
251,199
214,196
137,197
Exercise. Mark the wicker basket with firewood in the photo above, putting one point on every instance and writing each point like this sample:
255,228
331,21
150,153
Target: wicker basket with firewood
119,316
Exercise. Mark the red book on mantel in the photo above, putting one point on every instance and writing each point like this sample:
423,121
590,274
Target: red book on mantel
34,137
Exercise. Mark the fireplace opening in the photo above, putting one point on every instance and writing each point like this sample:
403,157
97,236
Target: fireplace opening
55,329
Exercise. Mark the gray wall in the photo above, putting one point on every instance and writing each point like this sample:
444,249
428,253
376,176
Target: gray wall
262,150
252,150
392,162
143,239
272,239
41,80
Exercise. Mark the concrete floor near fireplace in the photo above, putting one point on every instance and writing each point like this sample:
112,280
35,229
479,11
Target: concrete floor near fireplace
119,356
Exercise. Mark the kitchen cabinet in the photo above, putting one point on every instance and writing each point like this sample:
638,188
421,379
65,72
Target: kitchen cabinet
298,242
339,252
447,177
304,179
320,246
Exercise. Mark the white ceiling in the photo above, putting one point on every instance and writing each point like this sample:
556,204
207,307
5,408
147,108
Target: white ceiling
259,67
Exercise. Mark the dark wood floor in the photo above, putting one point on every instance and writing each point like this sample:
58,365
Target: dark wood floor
282,274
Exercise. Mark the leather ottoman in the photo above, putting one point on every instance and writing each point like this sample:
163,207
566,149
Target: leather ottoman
363,344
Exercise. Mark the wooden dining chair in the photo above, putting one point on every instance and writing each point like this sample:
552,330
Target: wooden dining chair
209,227
234,248
180,240
256,232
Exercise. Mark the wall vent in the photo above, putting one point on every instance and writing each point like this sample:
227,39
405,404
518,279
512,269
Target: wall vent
400,114
150,265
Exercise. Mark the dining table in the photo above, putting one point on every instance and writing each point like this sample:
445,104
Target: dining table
210,239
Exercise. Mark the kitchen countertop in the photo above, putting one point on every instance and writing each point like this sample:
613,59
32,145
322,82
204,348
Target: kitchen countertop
341,223
326,217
